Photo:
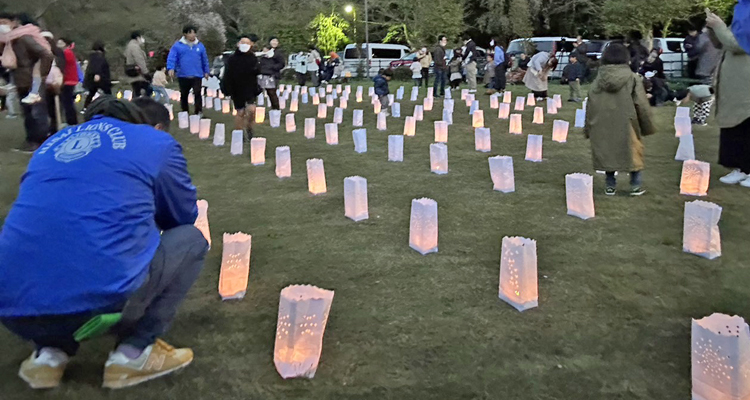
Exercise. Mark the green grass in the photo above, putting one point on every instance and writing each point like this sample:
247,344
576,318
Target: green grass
616,293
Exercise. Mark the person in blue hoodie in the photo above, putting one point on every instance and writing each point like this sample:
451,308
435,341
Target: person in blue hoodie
103,225
381,88
188,60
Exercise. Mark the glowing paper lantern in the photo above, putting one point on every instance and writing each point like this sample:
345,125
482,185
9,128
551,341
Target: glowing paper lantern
538,116
396,110
560,131
360,140
395,148
310,128
128,95
501,171
473,107
237,143
217,104
482,140
430,92
283,162
428,103
329,101
358,117
391,98
294,106
520,103
494,102
551,107
195,124
470,99
507,97
700,234
303,314
316,176
683,126
359,94
558,100
518,280
448,104
202,221
191,99
719,354
448,94
579,191
291,125
478,119
183,120
204,131
376,107
262,99
219,135
235,266
303,89
275,117
305,98
464,94
225,106
686,149
503,111
282,103
332,134
339,89
441,132
208,102
414,93
418,113
321,92
534,148
315,99
355,197
260,115
329,88
439,158
682,112
343,103
381,124
423,226
695,178
530,100
448,117
516,124
580,118
410,126
338,115
371,91
258,151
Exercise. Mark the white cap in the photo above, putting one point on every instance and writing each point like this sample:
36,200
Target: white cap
650,74
48,35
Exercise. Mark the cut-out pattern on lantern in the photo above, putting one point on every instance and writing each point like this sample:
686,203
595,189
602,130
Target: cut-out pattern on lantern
494,102
275,118
580,118
428,103
423,226
355,197
700,235
695,178
507,97
534,148
518,268
360,140
551,107
332,134
720,358
560,131
538,116
473,107
579,194
477,120
258,151
531,100
501,171
396,148
303,314
503,111
219,135
410,126
237,141
183,120
441,132
558,100
414,93
686,149
683,126
396,110
516,124
449,104
418,113
202,221
316,176
283,162
439,158
260,115
291,124
195,124
235,266
310,128
381,124
520,103
205,129
482,140
358,117
448,117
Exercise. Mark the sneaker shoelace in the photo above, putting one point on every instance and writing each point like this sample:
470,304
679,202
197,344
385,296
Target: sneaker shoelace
166,347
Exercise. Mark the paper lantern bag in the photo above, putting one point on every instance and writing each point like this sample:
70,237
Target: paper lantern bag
439,158
720,358
235,266
686,149
700,234
518,269
237,143
395,148
534,148
303,315
316,176
202,221
355,197
503,111
501,171
695,178
579,191
219,135
360,140
482,140
516,124
332,134
410,126
423,226
283,162
258,151
560,131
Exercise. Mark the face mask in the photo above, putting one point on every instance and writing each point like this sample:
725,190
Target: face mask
142,41
492,43
244,47
5,28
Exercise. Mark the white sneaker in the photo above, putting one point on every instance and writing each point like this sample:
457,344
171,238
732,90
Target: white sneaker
31,99
734,177
745,183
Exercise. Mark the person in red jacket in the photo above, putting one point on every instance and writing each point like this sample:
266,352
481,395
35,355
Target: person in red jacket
70,80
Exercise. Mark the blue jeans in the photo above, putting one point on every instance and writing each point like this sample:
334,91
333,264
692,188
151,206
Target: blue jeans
635,179
160,94
439,86
148,312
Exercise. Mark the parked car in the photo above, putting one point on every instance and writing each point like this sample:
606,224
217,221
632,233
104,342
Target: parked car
562,45
219,63
596,48
673,55
408,59
381,56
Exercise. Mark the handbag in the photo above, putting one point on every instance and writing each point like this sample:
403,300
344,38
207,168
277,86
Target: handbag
55,76
132,70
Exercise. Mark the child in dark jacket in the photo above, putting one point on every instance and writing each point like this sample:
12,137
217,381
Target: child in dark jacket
381,87
574,73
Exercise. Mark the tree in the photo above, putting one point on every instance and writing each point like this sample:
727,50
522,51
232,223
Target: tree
622,17
328,32
418,22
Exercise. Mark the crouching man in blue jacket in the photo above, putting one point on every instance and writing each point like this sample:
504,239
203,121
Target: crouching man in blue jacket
83,240
188,60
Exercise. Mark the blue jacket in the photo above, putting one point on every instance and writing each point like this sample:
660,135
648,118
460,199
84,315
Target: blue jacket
188,61
85,226
499,55
381,86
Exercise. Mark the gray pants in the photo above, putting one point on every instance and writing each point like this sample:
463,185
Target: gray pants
471,75
11,102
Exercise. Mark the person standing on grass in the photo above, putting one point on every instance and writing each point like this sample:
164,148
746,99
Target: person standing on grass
241,83
425,60
136,66
501,65
53,89
114,210
693,51
470,62
271,64
618,116
97,75
70,81
188,61
314,60
416,73
23,47
441,66
709,58
381,88
489,74
574,73
732,92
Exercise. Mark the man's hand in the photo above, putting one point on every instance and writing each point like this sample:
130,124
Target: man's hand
713,21
97,78
171,73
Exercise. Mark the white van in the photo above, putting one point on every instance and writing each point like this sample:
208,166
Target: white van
562,45
381,56
673,55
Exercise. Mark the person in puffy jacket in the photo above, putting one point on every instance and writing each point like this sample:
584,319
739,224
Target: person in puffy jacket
241,83
97,76
381,88
271,64
188,60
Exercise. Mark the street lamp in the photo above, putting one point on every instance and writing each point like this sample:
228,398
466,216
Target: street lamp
350,9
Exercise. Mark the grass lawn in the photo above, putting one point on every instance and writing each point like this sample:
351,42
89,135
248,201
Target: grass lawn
616,293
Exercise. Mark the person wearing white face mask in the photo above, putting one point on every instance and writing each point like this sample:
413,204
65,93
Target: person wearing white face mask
136,66
241,83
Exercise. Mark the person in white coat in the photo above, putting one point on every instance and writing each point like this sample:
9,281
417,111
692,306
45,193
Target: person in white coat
538,73
313,65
